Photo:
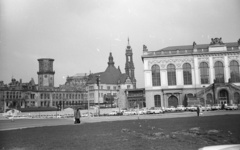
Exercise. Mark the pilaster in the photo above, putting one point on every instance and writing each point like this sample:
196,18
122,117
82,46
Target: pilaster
226,69
211,70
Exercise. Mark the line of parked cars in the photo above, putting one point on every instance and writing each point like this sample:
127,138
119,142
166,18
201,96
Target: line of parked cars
179,108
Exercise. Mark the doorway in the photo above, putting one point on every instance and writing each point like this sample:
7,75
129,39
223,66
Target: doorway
223,97
172,101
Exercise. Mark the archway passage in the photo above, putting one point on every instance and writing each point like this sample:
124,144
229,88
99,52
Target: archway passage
172,101
223,97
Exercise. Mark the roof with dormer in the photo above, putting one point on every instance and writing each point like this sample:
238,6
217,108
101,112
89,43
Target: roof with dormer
111,75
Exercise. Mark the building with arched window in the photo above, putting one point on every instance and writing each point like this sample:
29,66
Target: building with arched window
184,75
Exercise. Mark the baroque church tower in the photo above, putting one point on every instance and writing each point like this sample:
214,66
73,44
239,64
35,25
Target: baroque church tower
129,66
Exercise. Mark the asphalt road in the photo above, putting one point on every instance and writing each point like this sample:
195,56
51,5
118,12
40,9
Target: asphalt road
29,123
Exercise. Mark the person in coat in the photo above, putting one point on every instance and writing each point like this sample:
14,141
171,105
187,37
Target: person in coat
198,111
77,116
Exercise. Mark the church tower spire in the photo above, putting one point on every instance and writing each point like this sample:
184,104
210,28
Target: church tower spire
129,66
110,60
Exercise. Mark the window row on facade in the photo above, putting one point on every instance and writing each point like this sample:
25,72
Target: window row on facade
204,73
209,99
91,95
101,87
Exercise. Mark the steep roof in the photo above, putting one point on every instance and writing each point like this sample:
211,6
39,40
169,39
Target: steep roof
111,75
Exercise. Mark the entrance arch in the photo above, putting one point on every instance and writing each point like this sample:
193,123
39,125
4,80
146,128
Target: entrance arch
223,97
172,101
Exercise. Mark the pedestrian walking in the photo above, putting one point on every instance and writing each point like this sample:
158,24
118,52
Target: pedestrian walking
77,116
198,111
13,114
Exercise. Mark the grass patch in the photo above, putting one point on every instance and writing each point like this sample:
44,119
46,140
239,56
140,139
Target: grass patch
170,134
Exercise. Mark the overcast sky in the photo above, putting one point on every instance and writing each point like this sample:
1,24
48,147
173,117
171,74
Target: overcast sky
80,34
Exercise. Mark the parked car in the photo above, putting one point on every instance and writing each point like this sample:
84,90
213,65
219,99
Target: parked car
123,110
180,108
192,108
155,110
170,109
142,111
231,107
216,107
129,112
207,108
113,113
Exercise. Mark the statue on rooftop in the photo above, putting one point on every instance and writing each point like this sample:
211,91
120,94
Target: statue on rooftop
216,41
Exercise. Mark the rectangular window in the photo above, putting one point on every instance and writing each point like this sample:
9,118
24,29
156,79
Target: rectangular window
108,87
157,101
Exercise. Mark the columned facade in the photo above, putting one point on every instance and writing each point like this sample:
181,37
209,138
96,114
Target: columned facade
196,72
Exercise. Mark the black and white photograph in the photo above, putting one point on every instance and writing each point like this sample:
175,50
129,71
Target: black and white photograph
119,75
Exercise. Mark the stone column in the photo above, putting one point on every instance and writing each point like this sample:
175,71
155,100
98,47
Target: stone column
164,81
196,72
226,69
148,78
179,76
211,70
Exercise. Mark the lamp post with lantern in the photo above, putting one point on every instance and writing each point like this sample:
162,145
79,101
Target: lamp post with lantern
98,84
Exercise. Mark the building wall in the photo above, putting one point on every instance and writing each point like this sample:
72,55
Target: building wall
178,61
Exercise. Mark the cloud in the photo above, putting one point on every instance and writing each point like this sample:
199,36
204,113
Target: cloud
117,39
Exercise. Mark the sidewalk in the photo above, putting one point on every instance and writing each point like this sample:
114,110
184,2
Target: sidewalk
29,123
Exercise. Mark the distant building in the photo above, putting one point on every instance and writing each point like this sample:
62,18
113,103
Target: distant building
30,95
135,98
112,81
16,94
46,73
79,90
179,75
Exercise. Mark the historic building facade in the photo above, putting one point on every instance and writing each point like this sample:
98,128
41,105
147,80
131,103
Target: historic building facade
30,95
105,88
79,90
179,75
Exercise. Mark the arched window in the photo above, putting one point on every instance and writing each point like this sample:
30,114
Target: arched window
156,75
187,74
209,98
189,95
234,71
236,98
219,72
157,100
171,72
204,73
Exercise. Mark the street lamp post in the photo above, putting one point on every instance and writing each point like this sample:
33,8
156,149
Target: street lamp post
204,96
87,91
98,84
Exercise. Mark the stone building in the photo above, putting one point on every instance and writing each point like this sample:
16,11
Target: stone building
107,87
177,75
79,90
44,95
